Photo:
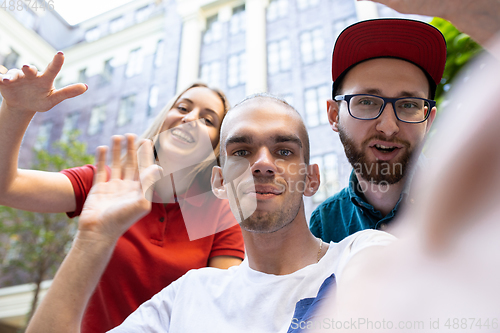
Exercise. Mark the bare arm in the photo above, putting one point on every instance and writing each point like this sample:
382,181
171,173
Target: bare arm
26,92
110,209
446,262
224,262
477,18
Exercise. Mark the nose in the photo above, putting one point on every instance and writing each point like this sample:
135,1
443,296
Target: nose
263,165
191,117
388,123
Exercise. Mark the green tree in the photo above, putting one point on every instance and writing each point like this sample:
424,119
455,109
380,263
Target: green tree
460,50
34,244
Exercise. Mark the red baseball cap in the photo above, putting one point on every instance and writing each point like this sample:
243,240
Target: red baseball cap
414,41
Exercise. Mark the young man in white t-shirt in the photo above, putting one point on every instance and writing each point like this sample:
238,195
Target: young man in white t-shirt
265,173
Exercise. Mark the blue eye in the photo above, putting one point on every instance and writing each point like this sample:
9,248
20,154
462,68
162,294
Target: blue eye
241,153
284,152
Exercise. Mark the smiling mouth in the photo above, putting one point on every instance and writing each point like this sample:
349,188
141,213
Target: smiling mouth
263,190
385,149
182,135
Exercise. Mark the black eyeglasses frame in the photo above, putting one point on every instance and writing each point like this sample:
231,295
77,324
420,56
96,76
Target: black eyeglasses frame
386,100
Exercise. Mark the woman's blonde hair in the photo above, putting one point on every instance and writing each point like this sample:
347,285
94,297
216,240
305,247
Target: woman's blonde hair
204,169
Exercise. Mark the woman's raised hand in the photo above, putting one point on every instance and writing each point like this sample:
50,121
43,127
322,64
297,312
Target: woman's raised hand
113,206
27,90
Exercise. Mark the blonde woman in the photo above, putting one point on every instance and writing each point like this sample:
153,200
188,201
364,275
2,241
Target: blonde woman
158,248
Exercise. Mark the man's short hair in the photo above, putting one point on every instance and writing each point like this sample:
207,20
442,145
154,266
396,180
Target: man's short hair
414,41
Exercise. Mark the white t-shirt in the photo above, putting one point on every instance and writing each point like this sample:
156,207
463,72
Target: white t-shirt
241,299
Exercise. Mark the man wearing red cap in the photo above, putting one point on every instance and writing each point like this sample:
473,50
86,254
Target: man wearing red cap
385,74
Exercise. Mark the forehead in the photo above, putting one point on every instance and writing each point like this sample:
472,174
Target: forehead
204,98
390,76
261,118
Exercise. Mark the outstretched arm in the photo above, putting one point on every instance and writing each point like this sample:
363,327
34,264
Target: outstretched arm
446,263
477,18
110,209
25,92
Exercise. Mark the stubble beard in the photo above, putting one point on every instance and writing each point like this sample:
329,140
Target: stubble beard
272,221
377,172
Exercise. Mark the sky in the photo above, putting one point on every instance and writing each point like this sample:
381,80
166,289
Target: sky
75,12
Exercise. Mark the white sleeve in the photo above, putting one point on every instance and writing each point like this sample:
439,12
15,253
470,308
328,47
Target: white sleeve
153,315
360,241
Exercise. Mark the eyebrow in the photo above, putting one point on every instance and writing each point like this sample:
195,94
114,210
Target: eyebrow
288,138
190,101
184,99
400,94
239,139
276,139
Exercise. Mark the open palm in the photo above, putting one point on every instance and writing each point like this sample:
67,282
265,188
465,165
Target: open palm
28,90
113,206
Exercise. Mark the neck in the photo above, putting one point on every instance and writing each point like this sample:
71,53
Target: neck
182,179
285,251
382,197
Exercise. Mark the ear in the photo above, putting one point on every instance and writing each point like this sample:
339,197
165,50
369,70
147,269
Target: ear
430,120
218,187
312,180
333,114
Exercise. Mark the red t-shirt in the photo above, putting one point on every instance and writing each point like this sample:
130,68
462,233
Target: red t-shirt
153,253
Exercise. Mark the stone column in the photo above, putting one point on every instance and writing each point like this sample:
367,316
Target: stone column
256,51
189,60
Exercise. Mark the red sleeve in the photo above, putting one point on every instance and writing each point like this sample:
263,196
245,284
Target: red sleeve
81,178
228,242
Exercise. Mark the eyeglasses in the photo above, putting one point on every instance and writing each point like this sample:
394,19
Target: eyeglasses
407,109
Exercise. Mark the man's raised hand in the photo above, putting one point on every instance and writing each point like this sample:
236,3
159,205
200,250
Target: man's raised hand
477,18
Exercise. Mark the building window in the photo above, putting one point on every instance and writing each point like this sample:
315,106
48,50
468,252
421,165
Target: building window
107,72
238,21
303,4
236,70
116,25
210,73
97,119
277,9
329,170
142,14
92,34
312,46
213,32
341,24
126,112
134,65
315,105
43,137
70,124
11,59
159,53
279,56
82,75
153,100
